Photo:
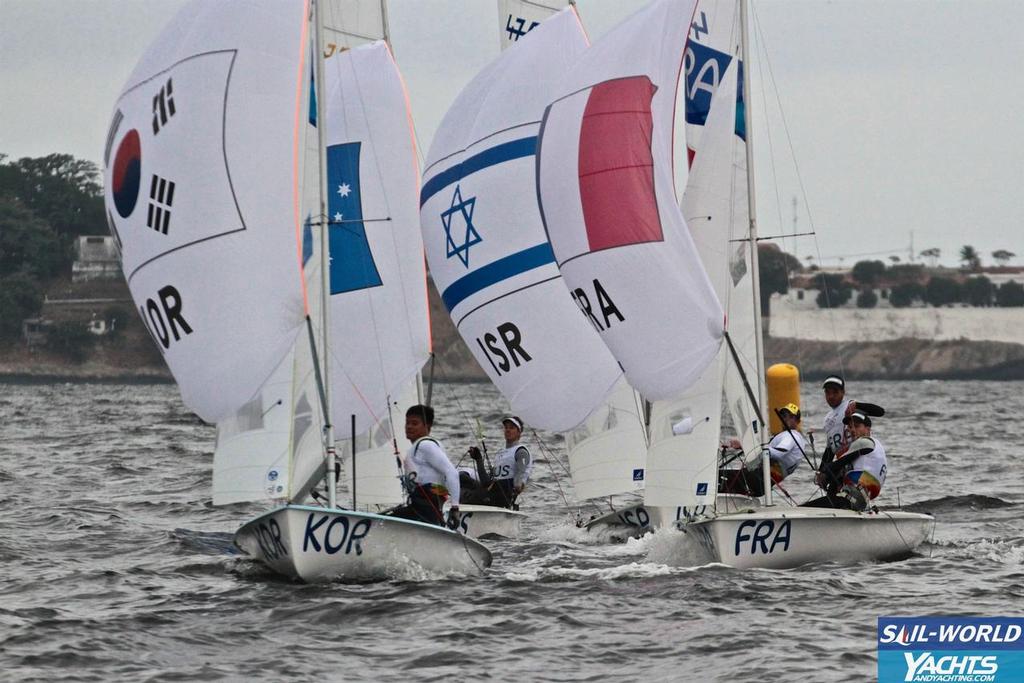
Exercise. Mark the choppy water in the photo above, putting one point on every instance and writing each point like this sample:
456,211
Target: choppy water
114,565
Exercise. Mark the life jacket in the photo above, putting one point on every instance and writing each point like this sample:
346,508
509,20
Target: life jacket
505,463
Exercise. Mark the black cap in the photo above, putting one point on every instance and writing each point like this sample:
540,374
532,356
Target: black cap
857,416
834,380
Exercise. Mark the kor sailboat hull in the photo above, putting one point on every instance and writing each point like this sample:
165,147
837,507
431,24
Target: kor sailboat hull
783,538
317,544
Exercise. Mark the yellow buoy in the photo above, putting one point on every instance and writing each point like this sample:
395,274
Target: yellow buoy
783,382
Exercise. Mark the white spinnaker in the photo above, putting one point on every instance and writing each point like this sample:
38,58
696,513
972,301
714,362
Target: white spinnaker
609,206
682,463
486,245
714,44
208,234
516,18
607,451
380,334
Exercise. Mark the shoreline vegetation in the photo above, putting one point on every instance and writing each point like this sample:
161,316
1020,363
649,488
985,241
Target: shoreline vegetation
903,359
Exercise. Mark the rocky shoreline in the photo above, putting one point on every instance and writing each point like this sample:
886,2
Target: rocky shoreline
909,359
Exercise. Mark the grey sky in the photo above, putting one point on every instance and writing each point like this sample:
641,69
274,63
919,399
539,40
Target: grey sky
903,115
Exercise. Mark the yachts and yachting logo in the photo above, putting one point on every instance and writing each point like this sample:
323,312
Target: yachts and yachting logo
950,649
638,474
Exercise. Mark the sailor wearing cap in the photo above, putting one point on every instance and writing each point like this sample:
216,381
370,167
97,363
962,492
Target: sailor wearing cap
837,436
512,468
860,470
785,453
786,449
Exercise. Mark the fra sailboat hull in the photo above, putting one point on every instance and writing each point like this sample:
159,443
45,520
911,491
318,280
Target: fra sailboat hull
318,544
785,538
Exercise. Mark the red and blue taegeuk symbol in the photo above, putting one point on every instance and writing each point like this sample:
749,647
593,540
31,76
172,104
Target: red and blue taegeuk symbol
127,174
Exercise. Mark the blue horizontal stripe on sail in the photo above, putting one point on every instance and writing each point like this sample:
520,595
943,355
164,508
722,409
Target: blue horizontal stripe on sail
502,269
516,149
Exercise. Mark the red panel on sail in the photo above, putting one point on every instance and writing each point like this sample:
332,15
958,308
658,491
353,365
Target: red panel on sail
616,168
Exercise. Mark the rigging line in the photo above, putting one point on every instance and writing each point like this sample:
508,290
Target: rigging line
803,191
550,456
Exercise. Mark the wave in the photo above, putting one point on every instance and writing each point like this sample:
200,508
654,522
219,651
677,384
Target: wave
959,504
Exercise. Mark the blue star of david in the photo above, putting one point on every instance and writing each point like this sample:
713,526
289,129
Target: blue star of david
464,207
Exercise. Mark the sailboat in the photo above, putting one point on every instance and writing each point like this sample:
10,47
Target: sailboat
605,181
490,258
284,310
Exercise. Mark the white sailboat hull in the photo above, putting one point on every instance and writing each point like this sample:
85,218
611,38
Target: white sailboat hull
782,538
488,521
317,544
640,519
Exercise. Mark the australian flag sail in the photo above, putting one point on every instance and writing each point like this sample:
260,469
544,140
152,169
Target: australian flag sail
352,266
485,243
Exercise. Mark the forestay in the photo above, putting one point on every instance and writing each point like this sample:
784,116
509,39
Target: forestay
486,246
380,335
609,206
209,239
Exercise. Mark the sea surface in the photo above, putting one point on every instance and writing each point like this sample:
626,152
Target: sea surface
114,566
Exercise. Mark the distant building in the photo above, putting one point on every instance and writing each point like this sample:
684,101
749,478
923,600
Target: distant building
95,259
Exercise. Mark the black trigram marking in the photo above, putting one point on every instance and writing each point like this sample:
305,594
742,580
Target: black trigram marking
514,26
161,197
114,125
163,106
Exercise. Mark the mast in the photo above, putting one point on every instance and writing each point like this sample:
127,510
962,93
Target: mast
325,273
752,233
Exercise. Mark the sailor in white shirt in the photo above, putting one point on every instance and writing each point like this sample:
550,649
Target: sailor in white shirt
786,451
837,434
431,478
512,468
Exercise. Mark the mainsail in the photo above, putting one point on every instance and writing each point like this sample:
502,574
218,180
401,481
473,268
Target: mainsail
607,198
486,245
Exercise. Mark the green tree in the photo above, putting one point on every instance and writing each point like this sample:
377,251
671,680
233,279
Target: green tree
774,267
61,191
932,255
834,290
1010,294
906,272
868,272
978,291
905,294
867,298
27,243
1002,256
71,339
21,297
941,291
970,258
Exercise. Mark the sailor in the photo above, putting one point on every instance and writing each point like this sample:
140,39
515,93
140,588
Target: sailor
430,477
837,436
786,451
859,473
512,468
